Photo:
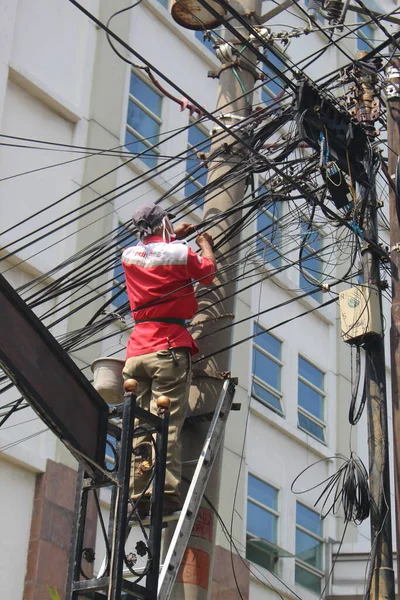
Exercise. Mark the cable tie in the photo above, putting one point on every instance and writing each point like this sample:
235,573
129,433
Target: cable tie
357,229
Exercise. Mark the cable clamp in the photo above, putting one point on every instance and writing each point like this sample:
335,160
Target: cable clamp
231,116
237,63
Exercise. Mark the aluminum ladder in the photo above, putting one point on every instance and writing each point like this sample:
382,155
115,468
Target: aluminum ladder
196,490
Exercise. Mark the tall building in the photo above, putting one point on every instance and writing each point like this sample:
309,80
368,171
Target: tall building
74,118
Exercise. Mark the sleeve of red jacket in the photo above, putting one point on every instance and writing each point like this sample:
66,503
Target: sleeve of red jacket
201,269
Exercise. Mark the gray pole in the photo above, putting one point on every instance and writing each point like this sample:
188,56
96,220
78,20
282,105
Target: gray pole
393,133
382,584
217,306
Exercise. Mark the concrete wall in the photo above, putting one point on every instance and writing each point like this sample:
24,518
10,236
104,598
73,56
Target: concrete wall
60,82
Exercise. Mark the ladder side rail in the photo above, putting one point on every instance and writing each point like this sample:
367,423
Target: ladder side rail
195,493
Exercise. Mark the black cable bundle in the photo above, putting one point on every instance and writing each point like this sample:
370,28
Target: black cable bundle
350,489
354,416
355,490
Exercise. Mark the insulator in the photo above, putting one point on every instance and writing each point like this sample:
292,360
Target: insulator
314,8
333,8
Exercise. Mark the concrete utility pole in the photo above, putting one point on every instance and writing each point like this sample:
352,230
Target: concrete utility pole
367,113
217,307
393,133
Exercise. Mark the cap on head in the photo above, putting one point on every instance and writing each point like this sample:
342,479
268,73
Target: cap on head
147,218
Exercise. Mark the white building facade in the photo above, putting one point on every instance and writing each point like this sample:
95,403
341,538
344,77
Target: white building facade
60,82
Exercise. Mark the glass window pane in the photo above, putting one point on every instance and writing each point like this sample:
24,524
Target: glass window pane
136,146
145,94
267,341
126,239
262,492
268,254
309,519
311,373
110,451
197,137
313,265
120,300
119,275
264,395
308,580
268,227
311,237
306,286
192,188
274,84
365,36
201,177
310,400
141,122
308,549
261,523
261,555
311,427
264,223
266,369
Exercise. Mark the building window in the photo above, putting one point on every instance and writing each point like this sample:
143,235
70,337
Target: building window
267,367
125,239
273,85
311,399
143,120
268,233
262,523
309,545
165,3
365,35
198,141
312,265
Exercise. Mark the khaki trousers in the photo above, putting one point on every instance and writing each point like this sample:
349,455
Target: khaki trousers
157,374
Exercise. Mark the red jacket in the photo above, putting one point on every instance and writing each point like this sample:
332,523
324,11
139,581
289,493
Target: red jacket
159,279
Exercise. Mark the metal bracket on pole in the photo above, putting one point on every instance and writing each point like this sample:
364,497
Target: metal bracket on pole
195,492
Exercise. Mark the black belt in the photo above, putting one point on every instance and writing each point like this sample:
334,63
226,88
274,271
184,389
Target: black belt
181,322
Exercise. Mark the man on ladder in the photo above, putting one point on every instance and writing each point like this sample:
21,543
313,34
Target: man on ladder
159,273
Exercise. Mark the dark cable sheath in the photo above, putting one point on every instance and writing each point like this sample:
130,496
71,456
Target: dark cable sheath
354,416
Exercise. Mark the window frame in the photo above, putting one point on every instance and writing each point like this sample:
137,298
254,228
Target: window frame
274,77
269,548
261,382
192,180
270,242
315,255
117,285
361,38
298,561
321,423
149,113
